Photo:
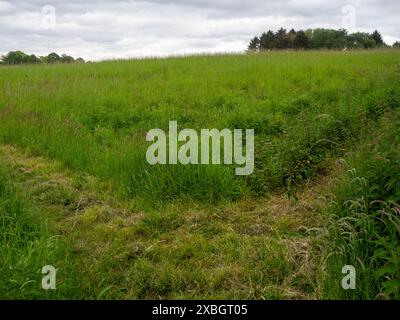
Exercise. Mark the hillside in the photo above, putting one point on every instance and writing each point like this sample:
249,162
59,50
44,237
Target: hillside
324,193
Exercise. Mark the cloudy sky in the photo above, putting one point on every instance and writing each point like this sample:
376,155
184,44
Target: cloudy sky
104,29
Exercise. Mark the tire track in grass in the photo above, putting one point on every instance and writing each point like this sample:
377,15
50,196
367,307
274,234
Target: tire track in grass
248,249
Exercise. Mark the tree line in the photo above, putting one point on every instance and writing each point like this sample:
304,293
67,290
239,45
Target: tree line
19,57
317,39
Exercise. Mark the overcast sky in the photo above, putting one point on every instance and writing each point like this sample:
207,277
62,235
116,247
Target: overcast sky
104,29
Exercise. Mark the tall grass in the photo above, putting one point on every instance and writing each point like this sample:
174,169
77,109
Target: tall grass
306,108
26,246
94,117
365,226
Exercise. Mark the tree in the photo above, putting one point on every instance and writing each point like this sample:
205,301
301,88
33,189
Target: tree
300,40
291,37
32,59
53,58
341,39
254,44
323,39
396,45
369,43
66,59
267,40
318,39
377,37
19,57
281,39
361,40
14,57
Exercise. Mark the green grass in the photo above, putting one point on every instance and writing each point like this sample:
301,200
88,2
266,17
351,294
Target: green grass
366,224
200,231
187,250
94,117
27,245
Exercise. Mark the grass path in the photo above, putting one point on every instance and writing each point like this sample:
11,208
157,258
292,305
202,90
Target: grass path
249,249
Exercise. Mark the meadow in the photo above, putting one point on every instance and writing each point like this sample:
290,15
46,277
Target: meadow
77,192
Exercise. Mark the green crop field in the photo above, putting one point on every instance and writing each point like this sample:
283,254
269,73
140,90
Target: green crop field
76,191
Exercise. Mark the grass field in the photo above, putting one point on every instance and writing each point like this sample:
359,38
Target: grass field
77,192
